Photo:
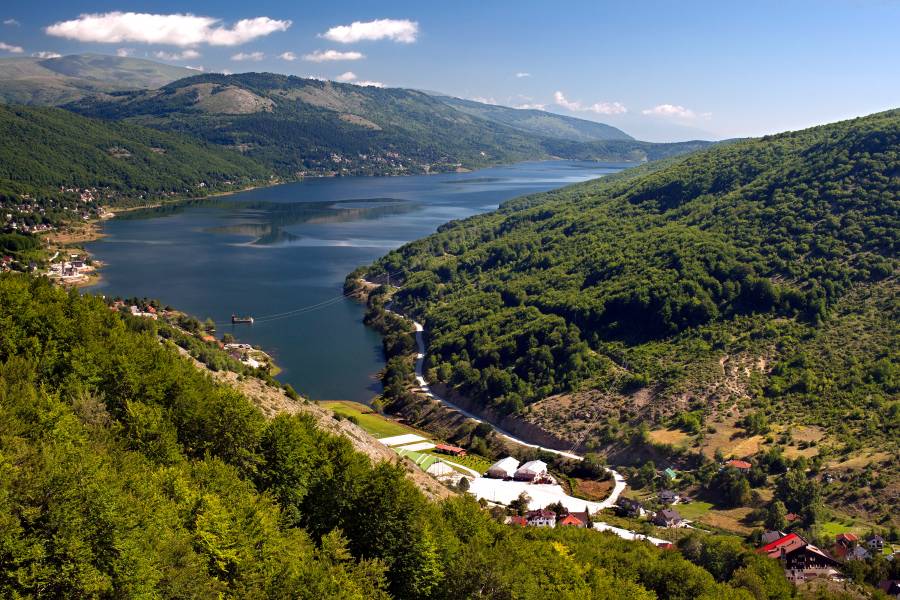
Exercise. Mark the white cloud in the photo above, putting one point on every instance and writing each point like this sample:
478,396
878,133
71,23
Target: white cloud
377,84
186,55
398,30
254,56
288,56
46,54
346,77
196,68
10,48
674,111
332,55
531,106
601,108
484,100
11,22
124,52
522,74
173,29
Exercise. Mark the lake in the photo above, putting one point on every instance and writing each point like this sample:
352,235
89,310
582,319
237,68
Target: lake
281,254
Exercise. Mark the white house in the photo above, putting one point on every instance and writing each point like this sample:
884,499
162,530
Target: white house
541,518
531,470
503,468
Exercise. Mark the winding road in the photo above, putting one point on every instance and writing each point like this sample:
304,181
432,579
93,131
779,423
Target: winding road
425,388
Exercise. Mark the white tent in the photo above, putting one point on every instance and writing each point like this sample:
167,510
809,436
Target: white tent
439,469
503,468
531,470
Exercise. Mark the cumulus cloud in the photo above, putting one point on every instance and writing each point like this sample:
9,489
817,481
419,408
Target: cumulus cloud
173,29
364,83
397,30
674,111
186,55
484,100
288,56
46,54
124,52
332,55
522,74
11,22
531,106
252,56
346,77
10,48
601,108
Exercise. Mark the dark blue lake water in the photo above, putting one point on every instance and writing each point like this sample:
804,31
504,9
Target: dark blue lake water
287,249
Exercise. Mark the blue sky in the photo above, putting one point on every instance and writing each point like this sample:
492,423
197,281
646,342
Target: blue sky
658,70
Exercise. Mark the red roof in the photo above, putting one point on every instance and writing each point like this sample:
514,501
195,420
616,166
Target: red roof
846,537
448,448
517,520
789,543
791,517
739,464
571,519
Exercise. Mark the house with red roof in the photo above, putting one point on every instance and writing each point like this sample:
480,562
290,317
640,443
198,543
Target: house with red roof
844,543
517,521
449,449
800,559
741,465
570,520
541,518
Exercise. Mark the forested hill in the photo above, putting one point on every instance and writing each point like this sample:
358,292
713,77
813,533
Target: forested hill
125,472
45,149
759,275
306,126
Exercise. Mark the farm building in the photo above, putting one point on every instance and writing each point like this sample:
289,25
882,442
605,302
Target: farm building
503,468
451,450
533,469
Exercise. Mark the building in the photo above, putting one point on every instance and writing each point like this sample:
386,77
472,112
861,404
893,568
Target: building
570,520
741,465
670,474
668,497
541,518
629,507
800,559
448,449
530,471
517,521
858,553
667,517
504,468
771,536
875,544
844,543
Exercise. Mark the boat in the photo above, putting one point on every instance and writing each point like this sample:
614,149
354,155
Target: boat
236,319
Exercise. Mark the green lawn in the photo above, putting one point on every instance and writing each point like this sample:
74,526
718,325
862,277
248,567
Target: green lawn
374,423
473,461
693,510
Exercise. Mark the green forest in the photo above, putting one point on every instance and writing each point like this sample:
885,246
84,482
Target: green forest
782,248
45,149
126,472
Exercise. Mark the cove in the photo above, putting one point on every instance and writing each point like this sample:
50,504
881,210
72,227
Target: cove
281,254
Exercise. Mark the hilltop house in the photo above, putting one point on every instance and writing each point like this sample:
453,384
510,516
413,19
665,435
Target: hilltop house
800,559
541,518
504,468
667,517
741,465
530,471
630,507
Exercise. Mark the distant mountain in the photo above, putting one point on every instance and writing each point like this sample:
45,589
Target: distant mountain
539,122
53,81
307,126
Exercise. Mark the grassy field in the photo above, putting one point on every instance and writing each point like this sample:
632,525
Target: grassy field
473,461
374,423
694,510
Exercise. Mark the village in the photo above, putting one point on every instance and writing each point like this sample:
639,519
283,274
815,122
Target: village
528,494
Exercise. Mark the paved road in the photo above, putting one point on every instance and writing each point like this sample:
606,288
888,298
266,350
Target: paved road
619,485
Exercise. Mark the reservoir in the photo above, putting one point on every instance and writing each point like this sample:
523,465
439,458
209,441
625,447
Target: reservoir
281,255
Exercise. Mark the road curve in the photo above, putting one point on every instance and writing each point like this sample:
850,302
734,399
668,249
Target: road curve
619,485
